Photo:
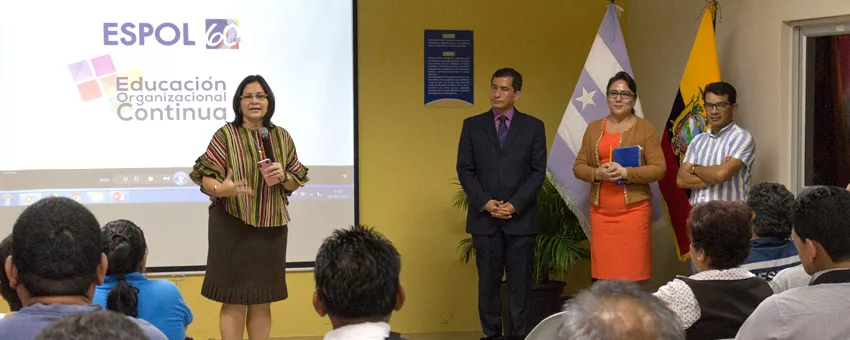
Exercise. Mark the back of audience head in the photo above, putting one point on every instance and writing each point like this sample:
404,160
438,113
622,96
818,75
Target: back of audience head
618,310
822,227
93,325
125,247
357,277
6,291
773,207
720,234
56,251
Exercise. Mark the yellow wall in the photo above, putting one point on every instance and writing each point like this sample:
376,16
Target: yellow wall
407,152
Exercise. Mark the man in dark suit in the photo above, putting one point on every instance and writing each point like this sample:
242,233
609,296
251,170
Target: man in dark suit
501,164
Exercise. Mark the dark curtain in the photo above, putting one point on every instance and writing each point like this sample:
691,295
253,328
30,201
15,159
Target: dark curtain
831,148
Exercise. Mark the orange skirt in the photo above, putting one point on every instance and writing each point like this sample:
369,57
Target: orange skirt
620,236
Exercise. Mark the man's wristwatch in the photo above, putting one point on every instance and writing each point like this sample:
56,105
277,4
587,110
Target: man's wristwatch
693,169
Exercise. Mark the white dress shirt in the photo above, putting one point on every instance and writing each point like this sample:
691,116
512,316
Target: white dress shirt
817,312
360,331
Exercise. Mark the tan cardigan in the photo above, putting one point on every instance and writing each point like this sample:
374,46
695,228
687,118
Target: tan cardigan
642,133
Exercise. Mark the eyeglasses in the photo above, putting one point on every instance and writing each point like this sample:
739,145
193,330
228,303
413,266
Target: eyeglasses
259,96
624,94
720,106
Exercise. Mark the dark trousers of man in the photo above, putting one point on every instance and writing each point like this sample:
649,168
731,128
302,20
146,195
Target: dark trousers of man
512,255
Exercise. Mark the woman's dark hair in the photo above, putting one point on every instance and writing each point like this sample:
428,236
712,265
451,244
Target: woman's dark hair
237,99
630,82
722,229
125,247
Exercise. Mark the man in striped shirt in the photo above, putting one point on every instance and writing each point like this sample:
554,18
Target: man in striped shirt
718,162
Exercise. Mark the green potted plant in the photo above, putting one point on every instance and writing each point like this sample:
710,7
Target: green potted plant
560,246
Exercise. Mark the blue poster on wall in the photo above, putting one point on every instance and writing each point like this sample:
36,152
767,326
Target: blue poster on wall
448,68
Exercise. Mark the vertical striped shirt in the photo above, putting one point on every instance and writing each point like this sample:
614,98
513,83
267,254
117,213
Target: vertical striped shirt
707,149
239,149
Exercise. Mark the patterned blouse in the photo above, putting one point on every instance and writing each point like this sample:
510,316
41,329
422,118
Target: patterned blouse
681,299
240,149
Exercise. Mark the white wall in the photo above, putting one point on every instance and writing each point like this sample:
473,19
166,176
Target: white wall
754,50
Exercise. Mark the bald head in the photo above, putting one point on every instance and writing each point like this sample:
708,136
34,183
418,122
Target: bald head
618,310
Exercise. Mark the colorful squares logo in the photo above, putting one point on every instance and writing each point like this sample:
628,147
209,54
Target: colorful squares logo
223,34
94,77
103,65
81,71
89,90
108,84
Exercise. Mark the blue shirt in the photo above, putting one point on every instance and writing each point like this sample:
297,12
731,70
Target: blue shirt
160,303
769,255
708,149
31,320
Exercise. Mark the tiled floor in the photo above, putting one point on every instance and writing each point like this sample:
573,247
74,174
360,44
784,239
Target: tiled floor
426,336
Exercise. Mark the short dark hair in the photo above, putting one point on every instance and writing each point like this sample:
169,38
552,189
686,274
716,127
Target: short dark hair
516,78
821,215
56,248
721,88
722,229
237,100
591,315
125,247
774,208
622,75
6,291
93,325
357,274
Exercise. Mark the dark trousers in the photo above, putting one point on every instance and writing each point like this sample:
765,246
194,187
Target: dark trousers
496,254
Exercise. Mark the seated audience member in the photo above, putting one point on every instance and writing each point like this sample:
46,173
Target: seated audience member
821,309
6,291
618,310
99,325
715,302
790,278
56,264
357,284
125,290
771,248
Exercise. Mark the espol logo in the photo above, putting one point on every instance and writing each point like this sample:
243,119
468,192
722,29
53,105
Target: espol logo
220,34
223,34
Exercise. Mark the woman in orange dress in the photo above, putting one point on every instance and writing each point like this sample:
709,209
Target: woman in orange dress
620,214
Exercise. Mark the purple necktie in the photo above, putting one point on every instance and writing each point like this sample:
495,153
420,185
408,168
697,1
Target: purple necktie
503,130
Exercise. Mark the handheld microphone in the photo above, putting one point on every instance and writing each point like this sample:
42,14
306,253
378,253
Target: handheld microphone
267,144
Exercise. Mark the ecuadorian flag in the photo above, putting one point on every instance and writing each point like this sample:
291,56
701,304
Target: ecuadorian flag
688,119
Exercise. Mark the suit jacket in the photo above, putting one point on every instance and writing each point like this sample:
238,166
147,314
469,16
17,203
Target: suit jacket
513,174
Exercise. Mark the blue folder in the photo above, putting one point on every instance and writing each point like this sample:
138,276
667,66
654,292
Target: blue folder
627,157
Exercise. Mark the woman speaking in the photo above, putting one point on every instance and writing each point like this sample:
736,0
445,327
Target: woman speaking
620,213
249,170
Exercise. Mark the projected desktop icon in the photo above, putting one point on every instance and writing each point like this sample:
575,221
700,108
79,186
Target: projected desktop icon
180,178
117,196
95,196
6,200
29,198
75,196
